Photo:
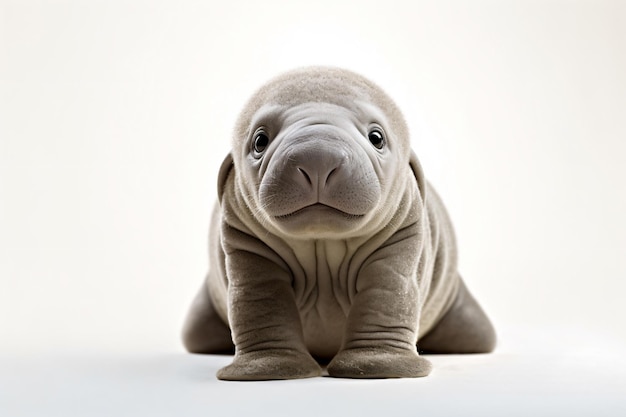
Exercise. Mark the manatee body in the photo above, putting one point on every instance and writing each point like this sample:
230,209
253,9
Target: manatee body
328,244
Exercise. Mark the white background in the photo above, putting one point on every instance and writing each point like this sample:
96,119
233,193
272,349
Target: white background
115,116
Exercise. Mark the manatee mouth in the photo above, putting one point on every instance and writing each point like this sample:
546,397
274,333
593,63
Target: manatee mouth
319,209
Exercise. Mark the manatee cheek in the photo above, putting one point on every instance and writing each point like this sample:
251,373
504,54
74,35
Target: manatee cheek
278,195
357,188
278,192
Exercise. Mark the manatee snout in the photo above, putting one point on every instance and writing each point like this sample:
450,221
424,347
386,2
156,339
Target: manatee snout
317,168
319,173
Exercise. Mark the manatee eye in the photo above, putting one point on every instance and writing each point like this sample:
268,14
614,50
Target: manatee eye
261,140
376,138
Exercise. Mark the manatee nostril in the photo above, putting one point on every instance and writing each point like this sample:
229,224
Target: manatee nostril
303,172
329,175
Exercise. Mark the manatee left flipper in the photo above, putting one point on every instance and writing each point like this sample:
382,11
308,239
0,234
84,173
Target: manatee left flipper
381,328
378,363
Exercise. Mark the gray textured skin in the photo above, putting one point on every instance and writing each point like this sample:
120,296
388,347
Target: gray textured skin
325,246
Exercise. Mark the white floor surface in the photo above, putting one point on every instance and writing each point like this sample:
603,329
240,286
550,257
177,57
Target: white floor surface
566,383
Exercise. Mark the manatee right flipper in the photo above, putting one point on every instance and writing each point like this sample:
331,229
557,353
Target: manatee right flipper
465,328
204,330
